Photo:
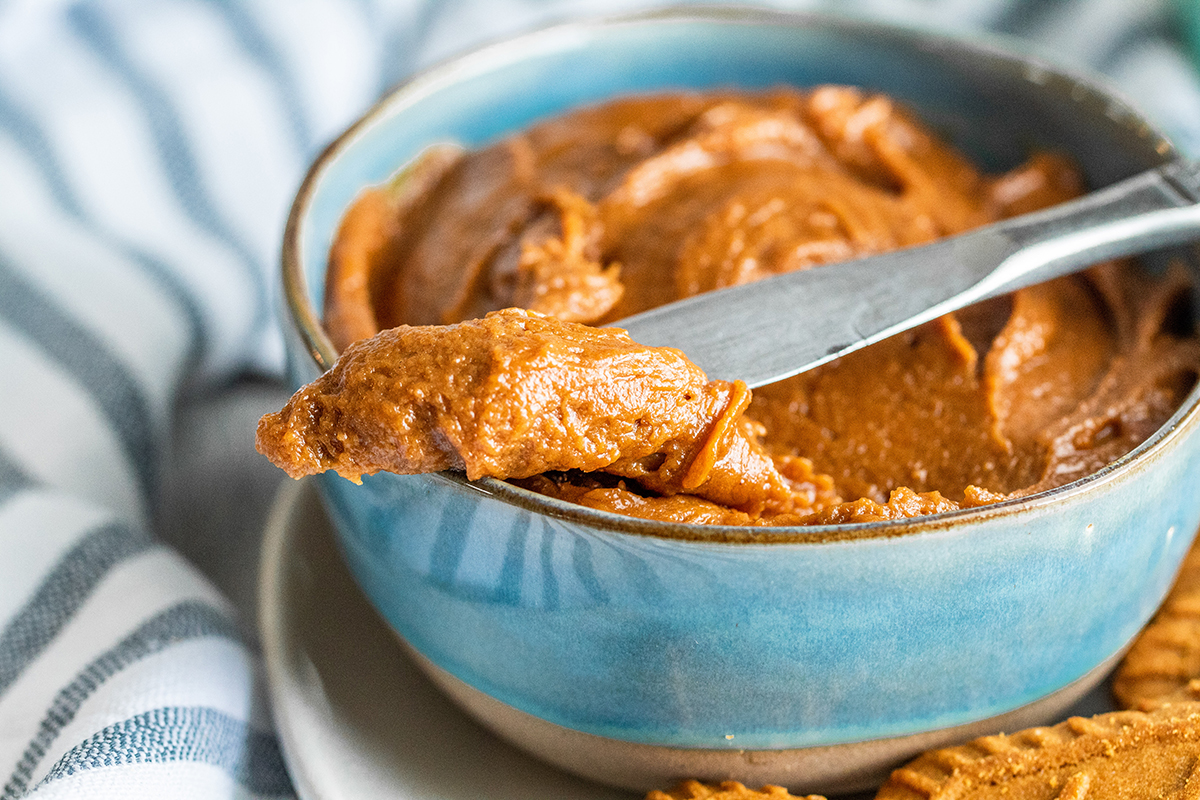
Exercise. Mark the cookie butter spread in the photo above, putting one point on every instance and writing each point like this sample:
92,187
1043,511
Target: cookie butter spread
470,298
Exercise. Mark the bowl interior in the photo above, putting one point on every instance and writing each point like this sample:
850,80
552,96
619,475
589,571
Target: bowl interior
995,106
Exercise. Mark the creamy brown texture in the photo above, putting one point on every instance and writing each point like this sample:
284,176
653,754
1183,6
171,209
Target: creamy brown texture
518,393
613,209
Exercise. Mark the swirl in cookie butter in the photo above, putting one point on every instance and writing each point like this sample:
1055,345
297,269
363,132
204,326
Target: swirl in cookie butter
470,298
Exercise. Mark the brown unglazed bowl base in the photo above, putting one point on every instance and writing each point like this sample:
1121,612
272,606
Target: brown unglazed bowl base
827,769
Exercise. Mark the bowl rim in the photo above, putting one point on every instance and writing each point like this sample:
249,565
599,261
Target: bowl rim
1083,87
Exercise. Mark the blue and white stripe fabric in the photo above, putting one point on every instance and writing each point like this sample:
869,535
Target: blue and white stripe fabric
148,153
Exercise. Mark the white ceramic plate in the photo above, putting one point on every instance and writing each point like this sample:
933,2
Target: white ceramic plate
357,719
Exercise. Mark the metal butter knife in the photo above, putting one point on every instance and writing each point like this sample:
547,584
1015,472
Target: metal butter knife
774,328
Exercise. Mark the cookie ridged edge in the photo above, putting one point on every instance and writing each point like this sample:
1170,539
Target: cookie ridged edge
992,760
1163,664
726,790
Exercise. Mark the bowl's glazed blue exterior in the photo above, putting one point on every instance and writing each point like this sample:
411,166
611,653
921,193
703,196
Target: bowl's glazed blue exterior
723,638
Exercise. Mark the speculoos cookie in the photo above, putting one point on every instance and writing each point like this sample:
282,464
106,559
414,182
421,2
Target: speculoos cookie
726,790
1163,665
1122,755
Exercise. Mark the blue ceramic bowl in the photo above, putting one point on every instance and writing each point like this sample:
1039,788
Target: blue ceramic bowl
636,651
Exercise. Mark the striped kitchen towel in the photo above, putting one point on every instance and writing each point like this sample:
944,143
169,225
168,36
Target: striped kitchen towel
148,152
